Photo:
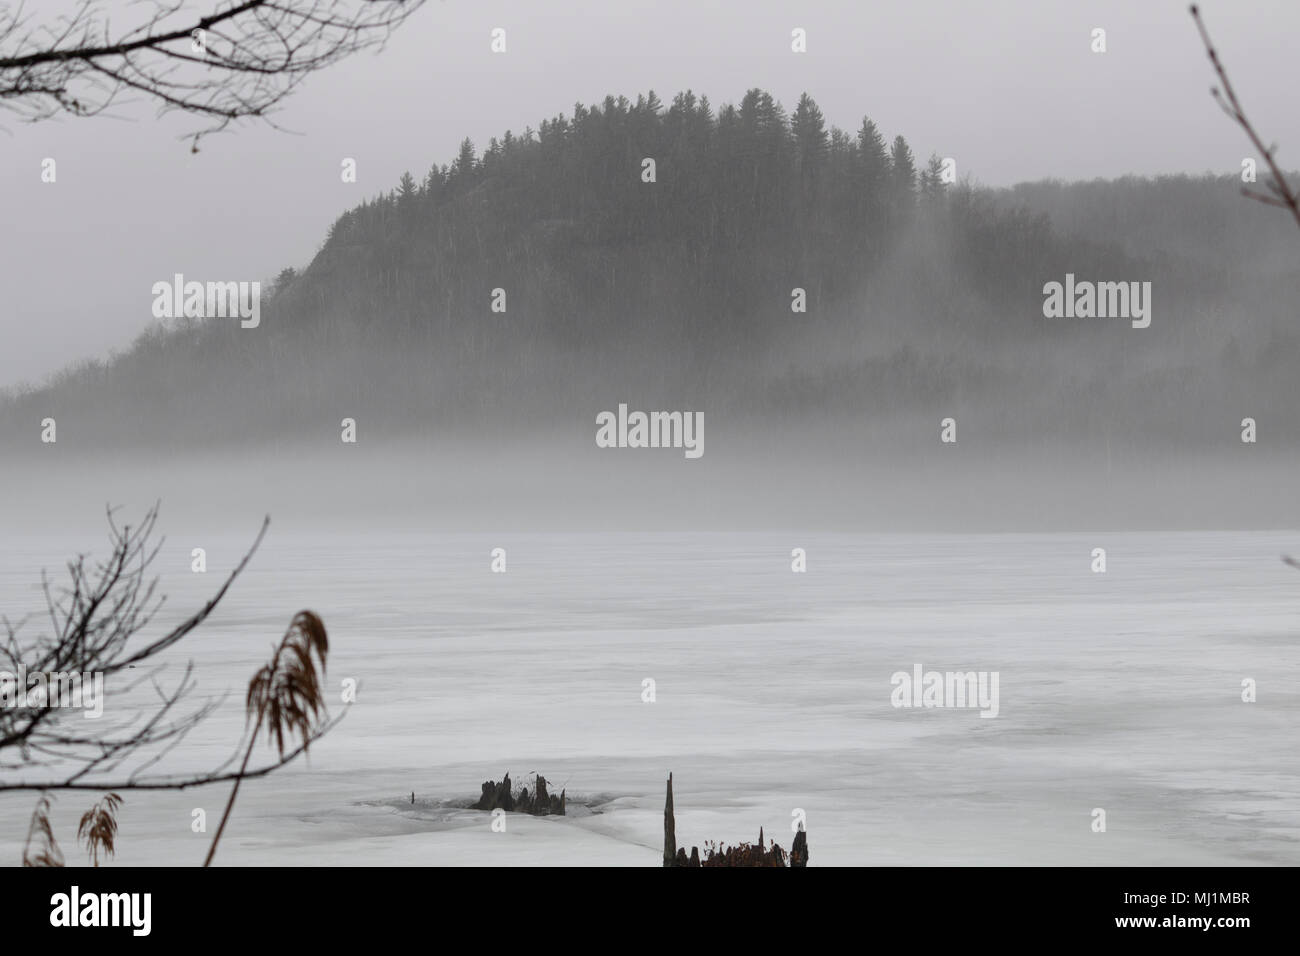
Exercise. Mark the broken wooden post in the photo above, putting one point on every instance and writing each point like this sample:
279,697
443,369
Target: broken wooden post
542,800
799,849
670,828
716,854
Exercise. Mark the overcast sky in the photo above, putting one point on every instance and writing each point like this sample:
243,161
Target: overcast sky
1009,88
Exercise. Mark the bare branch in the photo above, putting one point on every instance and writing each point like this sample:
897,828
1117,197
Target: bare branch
187,782
236,62
96,623
1227,99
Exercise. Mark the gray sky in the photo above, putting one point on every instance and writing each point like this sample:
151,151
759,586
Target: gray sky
1009,88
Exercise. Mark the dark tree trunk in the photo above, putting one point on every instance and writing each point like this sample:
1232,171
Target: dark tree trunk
670,828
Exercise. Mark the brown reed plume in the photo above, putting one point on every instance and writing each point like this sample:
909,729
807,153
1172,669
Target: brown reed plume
285,696
48,853
98,827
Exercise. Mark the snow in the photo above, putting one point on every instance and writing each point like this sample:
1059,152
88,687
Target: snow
1119,691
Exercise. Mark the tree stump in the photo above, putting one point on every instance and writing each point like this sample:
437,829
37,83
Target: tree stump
716,855
670,828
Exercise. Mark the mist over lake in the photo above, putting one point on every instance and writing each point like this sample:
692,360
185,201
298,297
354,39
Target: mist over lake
600,440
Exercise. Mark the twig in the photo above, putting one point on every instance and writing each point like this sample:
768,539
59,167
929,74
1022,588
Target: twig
1285,197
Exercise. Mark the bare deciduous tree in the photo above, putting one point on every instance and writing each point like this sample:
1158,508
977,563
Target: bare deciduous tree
231,61
96,624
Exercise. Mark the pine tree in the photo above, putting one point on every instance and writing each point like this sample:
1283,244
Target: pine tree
902,173
808,127
465,159
932,184
406,191
874,171
462,168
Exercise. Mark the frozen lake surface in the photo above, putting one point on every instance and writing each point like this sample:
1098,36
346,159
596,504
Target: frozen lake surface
1119,691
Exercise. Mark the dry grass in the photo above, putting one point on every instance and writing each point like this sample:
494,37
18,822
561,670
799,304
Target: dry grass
47,850
285,697
98,827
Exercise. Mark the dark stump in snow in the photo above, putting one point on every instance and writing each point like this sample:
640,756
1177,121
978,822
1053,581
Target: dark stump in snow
539,803
746,854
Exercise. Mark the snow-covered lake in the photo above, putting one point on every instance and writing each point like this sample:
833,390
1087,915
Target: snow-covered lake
1119,691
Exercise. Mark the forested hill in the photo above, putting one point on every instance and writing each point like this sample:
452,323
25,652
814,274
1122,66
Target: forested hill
741,259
